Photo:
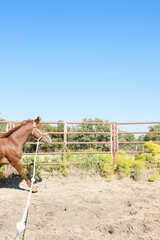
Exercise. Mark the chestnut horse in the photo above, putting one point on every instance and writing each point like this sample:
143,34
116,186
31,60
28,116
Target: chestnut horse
12,142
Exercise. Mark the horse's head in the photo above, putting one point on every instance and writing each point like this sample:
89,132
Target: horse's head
39,132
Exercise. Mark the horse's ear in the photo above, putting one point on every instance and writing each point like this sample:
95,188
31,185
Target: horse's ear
37,120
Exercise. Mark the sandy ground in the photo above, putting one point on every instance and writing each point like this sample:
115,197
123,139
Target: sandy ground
82,207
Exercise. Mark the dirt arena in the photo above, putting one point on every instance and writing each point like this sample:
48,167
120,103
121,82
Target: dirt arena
82,208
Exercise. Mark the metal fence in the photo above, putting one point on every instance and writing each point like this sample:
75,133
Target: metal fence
113,133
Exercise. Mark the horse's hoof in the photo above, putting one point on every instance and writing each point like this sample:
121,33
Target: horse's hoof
34,190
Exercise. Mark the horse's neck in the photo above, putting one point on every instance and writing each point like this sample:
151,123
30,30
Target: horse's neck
22,135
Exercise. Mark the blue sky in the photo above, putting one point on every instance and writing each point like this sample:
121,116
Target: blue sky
67,60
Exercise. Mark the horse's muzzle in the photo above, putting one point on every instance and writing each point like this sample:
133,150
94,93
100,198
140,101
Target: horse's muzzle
48,140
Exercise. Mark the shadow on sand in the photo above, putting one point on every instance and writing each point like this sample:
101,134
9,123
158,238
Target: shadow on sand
13,182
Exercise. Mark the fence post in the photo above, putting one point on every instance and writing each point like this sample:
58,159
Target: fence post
9,170
114,142
117,138
111,138
65,138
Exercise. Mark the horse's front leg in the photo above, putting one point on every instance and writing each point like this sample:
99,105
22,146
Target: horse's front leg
19,167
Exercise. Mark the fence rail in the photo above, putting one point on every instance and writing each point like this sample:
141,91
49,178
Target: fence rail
114,143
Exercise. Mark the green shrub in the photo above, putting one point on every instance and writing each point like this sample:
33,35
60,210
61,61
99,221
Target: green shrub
152,148
124,164
140,162
2,169
29,168
154,177
65,163
110,177
108,167
142,157
139,166
91,162
136,175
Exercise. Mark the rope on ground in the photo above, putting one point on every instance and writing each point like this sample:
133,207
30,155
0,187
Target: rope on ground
21,224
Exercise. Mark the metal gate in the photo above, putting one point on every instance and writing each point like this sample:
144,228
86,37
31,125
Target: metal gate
114,133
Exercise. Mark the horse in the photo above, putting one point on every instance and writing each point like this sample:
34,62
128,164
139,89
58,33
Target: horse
12,142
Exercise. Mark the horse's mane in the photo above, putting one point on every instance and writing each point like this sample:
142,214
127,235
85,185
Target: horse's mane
8,133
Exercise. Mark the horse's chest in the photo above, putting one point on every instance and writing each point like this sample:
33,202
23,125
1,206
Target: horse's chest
12,151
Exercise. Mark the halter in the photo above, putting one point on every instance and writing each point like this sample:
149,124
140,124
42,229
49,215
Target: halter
41,134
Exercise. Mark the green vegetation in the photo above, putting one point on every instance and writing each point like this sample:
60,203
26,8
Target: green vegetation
2,172
126,165
127,138
154,177
131,166
139,166
152,136
29,168
109,168
152,148
64,164
89,137
2,125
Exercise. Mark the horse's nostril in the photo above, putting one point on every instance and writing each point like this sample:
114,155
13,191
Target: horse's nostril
48,141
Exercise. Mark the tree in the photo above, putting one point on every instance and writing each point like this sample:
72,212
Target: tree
90,137
127,138
152,136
